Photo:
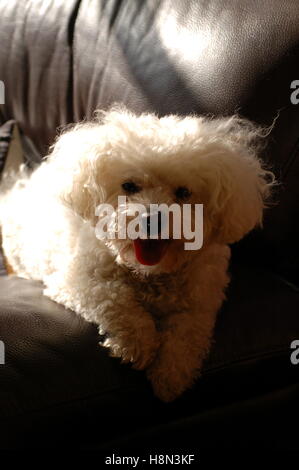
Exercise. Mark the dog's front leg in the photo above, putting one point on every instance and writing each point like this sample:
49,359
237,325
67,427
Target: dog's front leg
186,335
130,331
185,342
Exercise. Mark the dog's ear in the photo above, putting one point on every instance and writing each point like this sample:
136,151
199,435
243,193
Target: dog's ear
238,184
73,168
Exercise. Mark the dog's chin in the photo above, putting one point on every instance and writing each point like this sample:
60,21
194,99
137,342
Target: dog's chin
148,257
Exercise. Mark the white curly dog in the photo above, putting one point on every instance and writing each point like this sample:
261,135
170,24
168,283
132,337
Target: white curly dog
155,302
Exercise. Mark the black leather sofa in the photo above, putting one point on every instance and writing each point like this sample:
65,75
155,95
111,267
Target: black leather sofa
61,60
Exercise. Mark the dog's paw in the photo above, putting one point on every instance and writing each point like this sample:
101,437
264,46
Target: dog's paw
166,386
137,347
164,389
169,380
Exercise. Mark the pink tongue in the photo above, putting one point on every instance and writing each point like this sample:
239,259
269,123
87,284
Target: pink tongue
149,252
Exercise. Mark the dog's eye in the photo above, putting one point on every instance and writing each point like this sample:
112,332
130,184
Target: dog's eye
130,187
182,193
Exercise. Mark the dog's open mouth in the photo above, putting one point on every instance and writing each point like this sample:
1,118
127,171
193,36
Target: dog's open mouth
150,251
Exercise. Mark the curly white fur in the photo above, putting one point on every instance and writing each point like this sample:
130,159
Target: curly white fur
160,317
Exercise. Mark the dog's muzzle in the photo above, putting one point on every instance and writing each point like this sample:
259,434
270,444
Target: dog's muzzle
150,251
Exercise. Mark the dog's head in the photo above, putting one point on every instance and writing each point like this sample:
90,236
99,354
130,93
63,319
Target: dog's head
171,160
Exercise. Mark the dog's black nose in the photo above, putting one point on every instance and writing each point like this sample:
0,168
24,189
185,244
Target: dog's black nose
152,224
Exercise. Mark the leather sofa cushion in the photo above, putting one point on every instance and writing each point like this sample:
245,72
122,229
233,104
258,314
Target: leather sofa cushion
6,131
55,371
